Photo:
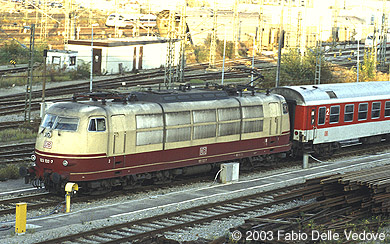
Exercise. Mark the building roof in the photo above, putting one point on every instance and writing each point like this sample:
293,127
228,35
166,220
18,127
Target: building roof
120,42
62,51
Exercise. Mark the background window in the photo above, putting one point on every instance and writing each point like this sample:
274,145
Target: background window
56,60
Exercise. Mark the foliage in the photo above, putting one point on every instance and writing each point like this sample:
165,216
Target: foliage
9,171
201,53
52,75
11,50
300,69
83,70
8,135
367,71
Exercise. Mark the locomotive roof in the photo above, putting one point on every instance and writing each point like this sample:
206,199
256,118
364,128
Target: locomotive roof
179,96
332,93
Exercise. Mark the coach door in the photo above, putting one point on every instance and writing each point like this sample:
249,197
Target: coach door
312,117
274,118
118,134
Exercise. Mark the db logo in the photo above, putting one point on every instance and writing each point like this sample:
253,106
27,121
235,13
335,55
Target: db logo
203,151
48,144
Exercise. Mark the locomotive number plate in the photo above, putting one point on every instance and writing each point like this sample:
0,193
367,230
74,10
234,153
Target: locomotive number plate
48,144
46,161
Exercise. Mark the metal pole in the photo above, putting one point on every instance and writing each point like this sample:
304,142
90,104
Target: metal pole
223,62
279,59
253,58
280,46
27,107
44,81
91,74
305,161
358,61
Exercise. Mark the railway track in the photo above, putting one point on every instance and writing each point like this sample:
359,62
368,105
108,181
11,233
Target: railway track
244,206
15,124
16,104
302,198
341,201
34,201
139,229
17,152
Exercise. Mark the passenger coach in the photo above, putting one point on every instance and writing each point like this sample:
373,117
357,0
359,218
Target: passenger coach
323,115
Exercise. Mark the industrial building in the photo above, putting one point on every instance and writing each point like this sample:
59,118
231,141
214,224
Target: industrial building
62,59
115,56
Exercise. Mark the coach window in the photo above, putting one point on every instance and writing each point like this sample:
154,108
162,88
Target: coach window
387,109
348,113
363,110
321,115
376,110
334,114
97,124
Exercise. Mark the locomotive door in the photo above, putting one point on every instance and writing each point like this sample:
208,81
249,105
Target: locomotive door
312,129
118,134
274,118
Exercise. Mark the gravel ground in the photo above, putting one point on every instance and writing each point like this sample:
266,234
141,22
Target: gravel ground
214,230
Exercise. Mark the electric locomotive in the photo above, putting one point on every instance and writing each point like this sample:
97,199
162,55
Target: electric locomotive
122,140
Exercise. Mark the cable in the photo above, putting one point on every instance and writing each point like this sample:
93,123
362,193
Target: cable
215,179
316,159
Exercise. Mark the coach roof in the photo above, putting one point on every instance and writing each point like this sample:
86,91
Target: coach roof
330,93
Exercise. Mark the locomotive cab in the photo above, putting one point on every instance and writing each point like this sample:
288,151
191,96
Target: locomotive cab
66,138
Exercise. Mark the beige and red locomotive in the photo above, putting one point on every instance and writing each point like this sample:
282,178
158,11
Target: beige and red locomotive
124,140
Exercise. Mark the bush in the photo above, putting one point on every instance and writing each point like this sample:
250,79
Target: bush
11,50
9,171
367,71
300,69
83,71
16,134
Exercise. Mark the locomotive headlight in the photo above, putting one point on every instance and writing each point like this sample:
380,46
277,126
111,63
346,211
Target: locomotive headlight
33,157
48,134
65,163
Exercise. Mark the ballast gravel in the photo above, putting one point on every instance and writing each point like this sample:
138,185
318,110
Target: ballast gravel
210,232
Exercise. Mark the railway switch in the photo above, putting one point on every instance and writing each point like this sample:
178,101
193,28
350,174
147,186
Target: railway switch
21,218
70,188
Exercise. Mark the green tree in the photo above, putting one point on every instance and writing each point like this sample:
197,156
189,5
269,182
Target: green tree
300,69
12,50
367,70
